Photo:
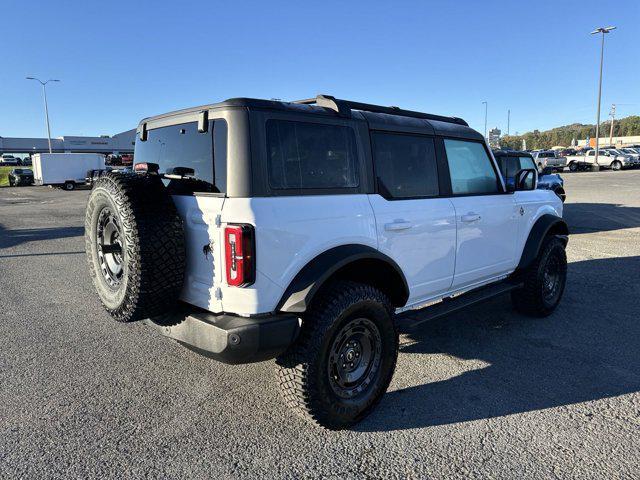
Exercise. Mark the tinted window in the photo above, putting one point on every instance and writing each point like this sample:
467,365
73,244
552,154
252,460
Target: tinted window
526,162
509,166
470,168
311,155
405,165
183,146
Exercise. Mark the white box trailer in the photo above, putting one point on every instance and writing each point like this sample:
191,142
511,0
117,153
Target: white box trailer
65,170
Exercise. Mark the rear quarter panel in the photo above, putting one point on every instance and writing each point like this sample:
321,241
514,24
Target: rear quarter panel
290,231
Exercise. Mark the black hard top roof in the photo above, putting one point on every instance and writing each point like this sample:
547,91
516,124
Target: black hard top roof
330,106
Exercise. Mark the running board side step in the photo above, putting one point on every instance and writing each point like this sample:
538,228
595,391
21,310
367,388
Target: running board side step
413,318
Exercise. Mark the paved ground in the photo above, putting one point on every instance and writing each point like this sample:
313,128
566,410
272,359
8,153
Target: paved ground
487,393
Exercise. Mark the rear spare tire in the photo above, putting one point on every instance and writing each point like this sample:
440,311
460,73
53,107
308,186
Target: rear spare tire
134,241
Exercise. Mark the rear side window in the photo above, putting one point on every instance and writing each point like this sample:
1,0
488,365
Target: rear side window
183,146
405,165
311,155
470,168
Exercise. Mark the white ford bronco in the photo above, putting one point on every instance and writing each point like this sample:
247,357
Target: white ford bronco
305,231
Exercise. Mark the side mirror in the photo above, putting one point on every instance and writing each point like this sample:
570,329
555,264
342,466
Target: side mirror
547,171
526,179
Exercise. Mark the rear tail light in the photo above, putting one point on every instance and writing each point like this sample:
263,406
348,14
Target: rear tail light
146,167
239,247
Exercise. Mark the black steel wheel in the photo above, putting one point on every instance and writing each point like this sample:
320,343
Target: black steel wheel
354,358
344,358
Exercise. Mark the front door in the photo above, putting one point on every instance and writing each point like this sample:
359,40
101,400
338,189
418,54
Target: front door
415,227
486,217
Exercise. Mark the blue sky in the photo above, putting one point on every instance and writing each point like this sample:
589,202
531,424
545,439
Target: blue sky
121,61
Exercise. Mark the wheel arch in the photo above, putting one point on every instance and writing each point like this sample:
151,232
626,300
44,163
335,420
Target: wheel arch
355,262
547,224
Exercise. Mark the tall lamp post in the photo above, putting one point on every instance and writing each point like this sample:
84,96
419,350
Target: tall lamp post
485,119
603,31
46,108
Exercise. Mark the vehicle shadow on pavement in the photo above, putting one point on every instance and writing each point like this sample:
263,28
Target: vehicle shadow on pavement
11,238
600,217
505,363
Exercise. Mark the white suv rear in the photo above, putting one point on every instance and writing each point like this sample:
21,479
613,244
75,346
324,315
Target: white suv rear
257,229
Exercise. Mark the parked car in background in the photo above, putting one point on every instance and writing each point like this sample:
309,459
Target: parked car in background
26,162
629,151
549,158
8,160
632,151
567,151
621,159
20,176
511,162
607,158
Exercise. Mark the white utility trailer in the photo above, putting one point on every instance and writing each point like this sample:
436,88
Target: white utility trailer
65,170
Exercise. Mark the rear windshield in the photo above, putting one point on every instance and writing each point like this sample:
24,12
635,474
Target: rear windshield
182,145
305,155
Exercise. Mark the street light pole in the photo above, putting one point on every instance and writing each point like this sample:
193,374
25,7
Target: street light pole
46,107
485,119
612,113
508,120
603,31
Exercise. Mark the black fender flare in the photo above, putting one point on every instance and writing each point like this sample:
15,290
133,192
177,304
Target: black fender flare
545,225
314,274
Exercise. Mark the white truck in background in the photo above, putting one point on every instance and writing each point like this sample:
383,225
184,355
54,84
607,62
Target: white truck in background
64,170
549,158
607,158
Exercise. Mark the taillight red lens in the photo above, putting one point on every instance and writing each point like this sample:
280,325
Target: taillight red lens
239,249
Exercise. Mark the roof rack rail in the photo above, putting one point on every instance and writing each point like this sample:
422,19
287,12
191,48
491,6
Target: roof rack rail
344,107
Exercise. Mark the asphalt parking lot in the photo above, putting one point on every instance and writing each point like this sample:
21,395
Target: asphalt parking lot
485,393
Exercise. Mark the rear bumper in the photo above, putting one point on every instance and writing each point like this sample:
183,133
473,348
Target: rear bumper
229,338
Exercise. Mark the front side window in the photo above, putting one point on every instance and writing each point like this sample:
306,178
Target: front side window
405,165
183,146
470,168
305,155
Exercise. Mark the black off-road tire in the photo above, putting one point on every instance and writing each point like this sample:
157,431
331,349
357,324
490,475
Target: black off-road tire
532,298
304,370
151,236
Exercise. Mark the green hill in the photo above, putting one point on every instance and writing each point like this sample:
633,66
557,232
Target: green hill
563,135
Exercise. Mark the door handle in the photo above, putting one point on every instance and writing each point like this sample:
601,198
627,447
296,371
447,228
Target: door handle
470,217
396,226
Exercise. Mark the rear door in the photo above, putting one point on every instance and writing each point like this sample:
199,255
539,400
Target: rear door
486,217
415,226
198,199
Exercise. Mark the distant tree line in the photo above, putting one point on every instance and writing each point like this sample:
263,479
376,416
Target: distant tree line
564,135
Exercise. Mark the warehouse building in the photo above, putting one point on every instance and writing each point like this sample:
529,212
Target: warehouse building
119,144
